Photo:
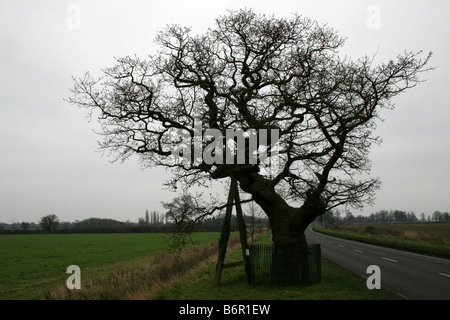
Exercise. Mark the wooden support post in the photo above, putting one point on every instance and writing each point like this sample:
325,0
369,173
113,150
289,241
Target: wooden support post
242,234
233,198
241,223
225,233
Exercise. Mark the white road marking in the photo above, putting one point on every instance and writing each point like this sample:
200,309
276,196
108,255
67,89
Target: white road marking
444,274
358,250
392,260
340,245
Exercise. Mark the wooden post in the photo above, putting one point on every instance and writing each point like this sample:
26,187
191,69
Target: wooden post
233,199
241,223
242,234
225,233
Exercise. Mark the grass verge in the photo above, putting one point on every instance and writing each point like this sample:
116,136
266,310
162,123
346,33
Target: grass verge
32,265
140,278
396,242
190,276
337,284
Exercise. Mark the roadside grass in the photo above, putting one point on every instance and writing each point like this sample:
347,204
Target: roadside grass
428,238
31,265
138,279
337,283
132,267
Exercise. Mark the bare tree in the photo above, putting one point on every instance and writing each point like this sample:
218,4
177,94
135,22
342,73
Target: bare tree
25,225
183,212
49,223
262,73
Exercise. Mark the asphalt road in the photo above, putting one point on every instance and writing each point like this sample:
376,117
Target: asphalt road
413,276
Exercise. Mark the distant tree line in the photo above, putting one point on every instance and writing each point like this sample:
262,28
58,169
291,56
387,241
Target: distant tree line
156,223
152,218
382,216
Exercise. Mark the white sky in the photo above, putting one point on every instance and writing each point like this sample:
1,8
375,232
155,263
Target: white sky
48,158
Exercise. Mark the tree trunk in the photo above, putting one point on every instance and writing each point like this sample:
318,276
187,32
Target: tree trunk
288,224
290,265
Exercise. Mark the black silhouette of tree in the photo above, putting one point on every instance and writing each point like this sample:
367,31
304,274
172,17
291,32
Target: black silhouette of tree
256,72
49,223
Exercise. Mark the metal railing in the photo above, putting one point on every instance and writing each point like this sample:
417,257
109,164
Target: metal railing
259,264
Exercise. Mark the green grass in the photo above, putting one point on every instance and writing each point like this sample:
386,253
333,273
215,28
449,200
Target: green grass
31,264
35,265
427,238
337,284
436,233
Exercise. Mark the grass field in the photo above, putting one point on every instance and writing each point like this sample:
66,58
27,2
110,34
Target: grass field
31,264
426,238
137,266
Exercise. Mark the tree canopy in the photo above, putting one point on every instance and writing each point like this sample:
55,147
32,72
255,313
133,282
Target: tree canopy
203,98
253,72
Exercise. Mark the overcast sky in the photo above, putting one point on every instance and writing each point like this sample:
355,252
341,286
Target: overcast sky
49,162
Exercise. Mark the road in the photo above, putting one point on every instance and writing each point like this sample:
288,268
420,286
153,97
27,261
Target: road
413,276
